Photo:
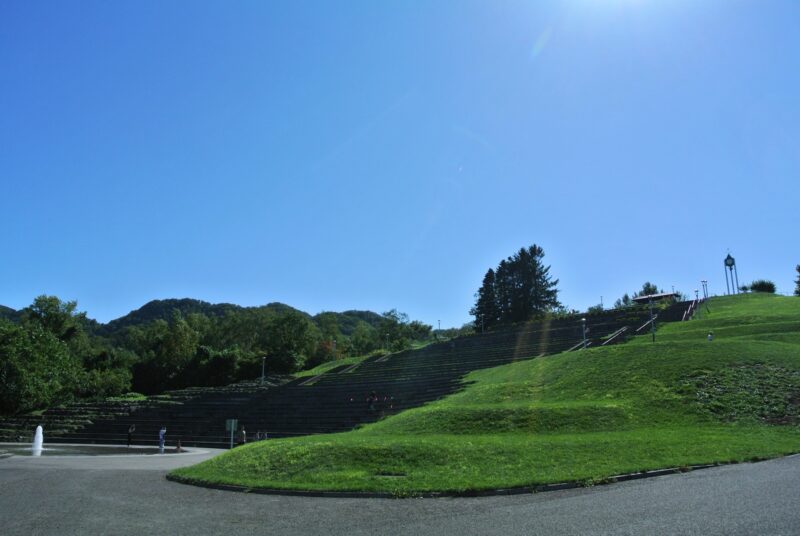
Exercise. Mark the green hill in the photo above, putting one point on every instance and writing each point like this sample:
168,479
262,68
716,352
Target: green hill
9,313
580,416
162,310
348,320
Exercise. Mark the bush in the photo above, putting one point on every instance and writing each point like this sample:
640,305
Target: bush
762,285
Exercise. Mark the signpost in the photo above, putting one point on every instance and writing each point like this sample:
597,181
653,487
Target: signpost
231,425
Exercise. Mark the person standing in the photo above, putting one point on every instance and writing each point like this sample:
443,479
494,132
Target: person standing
131,430
161,438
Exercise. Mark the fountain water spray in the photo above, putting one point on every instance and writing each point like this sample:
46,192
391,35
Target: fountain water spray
38,439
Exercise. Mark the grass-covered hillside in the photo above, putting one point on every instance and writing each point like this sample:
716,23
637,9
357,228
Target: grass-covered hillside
581,416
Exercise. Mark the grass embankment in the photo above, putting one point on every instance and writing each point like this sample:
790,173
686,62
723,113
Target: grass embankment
582,416
328,365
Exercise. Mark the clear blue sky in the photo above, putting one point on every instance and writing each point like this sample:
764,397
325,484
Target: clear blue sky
377,155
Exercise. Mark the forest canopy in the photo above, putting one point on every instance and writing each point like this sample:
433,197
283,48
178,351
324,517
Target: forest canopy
51,353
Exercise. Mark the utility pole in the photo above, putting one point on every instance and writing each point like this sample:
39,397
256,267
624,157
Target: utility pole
652,321
263,362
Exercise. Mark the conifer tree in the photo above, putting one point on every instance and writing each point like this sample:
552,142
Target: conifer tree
521,288
797,283
485,309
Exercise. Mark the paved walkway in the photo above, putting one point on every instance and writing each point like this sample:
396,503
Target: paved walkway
129,495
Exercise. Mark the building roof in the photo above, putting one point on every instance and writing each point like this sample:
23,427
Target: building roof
656,297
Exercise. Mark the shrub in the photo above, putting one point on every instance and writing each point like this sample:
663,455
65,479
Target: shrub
762,285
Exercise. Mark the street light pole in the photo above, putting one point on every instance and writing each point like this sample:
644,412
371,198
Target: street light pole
584,332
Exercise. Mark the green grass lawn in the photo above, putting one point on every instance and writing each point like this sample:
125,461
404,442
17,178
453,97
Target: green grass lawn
582,416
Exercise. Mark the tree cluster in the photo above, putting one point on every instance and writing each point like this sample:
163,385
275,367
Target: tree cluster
519,289
51,353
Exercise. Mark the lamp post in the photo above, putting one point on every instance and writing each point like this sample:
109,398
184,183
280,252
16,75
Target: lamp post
584,332
705,289
652,321
696,294
263,363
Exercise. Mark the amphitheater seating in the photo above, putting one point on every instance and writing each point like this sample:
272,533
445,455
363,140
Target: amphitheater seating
332,402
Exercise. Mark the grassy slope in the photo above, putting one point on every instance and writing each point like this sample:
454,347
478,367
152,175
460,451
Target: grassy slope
579,416
328,365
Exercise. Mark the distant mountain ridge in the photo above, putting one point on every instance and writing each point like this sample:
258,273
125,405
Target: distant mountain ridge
348,320
162,310
9,313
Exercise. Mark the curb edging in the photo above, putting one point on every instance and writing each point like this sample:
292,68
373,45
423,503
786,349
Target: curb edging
440,494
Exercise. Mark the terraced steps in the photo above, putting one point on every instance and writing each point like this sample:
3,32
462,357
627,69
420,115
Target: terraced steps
335,401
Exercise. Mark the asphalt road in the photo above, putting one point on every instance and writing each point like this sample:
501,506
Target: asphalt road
129,495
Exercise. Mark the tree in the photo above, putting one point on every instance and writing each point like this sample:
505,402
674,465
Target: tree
364,338
292,338
485,310
36,368
520,289
57,317
797,283
624,301
166,348
392,330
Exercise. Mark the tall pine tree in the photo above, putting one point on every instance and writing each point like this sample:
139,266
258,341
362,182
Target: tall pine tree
485,309
797,283
520,289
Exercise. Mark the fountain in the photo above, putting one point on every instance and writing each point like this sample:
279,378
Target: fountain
19,448
38,439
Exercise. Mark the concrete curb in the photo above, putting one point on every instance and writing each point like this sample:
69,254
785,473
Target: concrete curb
467,493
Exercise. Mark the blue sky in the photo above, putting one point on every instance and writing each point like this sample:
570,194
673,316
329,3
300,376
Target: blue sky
378,155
